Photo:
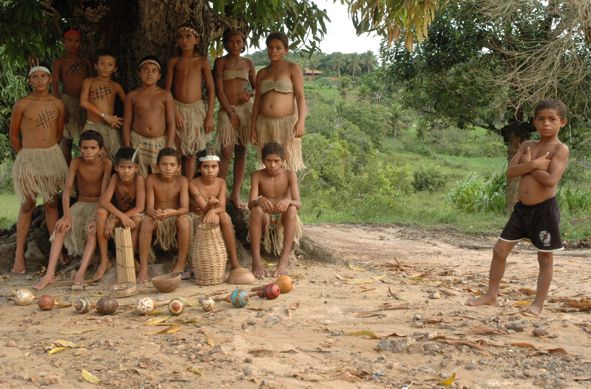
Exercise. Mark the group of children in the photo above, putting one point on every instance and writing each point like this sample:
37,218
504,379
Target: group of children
162,134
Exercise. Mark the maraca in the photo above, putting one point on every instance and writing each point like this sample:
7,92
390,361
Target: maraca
269,292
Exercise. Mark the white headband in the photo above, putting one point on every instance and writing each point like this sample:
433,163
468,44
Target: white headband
39,68
190,29
149,61
209,158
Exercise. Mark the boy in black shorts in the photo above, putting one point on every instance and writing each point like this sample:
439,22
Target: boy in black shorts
536,216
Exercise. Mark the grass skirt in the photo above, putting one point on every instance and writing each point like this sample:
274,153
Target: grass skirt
39,172
280,130
111,137
272,239
147,151
192,136
83,223
227,135
166,233
76,117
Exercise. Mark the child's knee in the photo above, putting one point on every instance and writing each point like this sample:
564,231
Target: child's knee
148,225
183,223
102,214
51,204
545,260
27,206
500,252
256,212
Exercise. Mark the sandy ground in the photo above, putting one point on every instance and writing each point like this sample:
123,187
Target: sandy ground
392,314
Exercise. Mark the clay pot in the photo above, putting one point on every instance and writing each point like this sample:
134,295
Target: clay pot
167,283
176,307
144,306
107,305
241,276
285,284
82,305
46,302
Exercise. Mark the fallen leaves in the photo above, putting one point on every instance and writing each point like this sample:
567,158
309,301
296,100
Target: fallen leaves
358,281
60,345
171,329
448,381
89,377
483,330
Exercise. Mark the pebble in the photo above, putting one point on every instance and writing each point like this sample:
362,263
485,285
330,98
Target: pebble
435,295
394,345
11,343
271,320
517,326
471,365
539,332
431,348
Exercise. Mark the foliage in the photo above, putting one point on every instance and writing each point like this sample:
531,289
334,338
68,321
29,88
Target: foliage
574,201
428,180
477,194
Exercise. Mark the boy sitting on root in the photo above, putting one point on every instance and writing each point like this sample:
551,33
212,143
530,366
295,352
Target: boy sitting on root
167,204
274,203
76,229
122,204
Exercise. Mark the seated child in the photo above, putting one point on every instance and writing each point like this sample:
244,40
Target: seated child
536,216
76,229
167,204
148,120
98,98
208,201
121,204
274,203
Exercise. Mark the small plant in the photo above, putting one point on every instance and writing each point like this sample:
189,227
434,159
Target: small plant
428,180
574,201
477,194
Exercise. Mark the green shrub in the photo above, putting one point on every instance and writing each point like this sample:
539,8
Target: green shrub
574,201
477,194
6,175
428,180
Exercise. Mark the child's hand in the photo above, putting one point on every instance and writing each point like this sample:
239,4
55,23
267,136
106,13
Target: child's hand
64,224
211,217
542,163
110,226
245,97
158,214
212,202
266,205
115,121
253,136
179,119
282,206
298,130
127,222
208,124
234,120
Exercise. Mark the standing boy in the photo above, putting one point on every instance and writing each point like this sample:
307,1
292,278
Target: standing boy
36,127
121,204
98,98
185,77
536,216
76,229
71,70
148,123
274,203
167,205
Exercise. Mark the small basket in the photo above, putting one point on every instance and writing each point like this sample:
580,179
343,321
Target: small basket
208,255
126,289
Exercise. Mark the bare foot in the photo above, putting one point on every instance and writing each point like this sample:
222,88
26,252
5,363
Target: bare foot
485,299
19,267
238,203
533,309
43,282
281,270
177,269
100,270
143,276
259,271
79,278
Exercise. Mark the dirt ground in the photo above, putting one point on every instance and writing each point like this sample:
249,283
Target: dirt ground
390,314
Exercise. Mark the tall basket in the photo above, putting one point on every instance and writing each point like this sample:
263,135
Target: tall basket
124,251
208,255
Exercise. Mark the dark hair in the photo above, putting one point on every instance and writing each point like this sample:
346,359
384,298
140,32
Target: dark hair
187,25
273,148
105,53
278,36
91,135
124,153
228,32
168,152
150,57
554,104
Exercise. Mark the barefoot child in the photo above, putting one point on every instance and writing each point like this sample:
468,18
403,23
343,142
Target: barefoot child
76,229
167,204
36,127
71,70
148,123
98,98
232,77
274,203
121,204
208,201
185,77
536,216
279,110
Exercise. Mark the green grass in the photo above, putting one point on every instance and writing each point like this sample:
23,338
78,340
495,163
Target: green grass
9,209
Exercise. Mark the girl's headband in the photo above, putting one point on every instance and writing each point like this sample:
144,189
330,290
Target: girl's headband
154,62
39,68
187,28
210,157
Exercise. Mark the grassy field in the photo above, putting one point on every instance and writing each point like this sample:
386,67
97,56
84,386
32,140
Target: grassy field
8,210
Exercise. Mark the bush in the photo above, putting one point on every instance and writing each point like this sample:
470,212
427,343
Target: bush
428,180
574,201
477,194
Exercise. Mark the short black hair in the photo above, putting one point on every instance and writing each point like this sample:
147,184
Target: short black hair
278,36
228,32
104,53
151,58
273,148
91,135
124,153
554,104
168,152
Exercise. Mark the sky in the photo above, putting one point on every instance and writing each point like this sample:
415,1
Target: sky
340,33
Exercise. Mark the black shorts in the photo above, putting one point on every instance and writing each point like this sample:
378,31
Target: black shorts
539,223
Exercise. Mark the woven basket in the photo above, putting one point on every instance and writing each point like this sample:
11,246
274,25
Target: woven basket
208,255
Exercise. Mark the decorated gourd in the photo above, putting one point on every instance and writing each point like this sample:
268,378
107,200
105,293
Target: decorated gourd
107,305
270,292
285,283
82,305
144,306
176,306
46,302
239,298
23,297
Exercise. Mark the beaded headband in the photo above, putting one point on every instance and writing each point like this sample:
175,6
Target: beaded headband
187,28
39,68
154,62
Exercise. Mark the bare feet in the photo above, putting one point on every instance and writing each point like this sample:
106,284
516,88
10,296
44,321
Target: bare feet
533,309
281,270
19,266
485,299
100,270
238,203
259,271
43,282
79,278
177,269
143,276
